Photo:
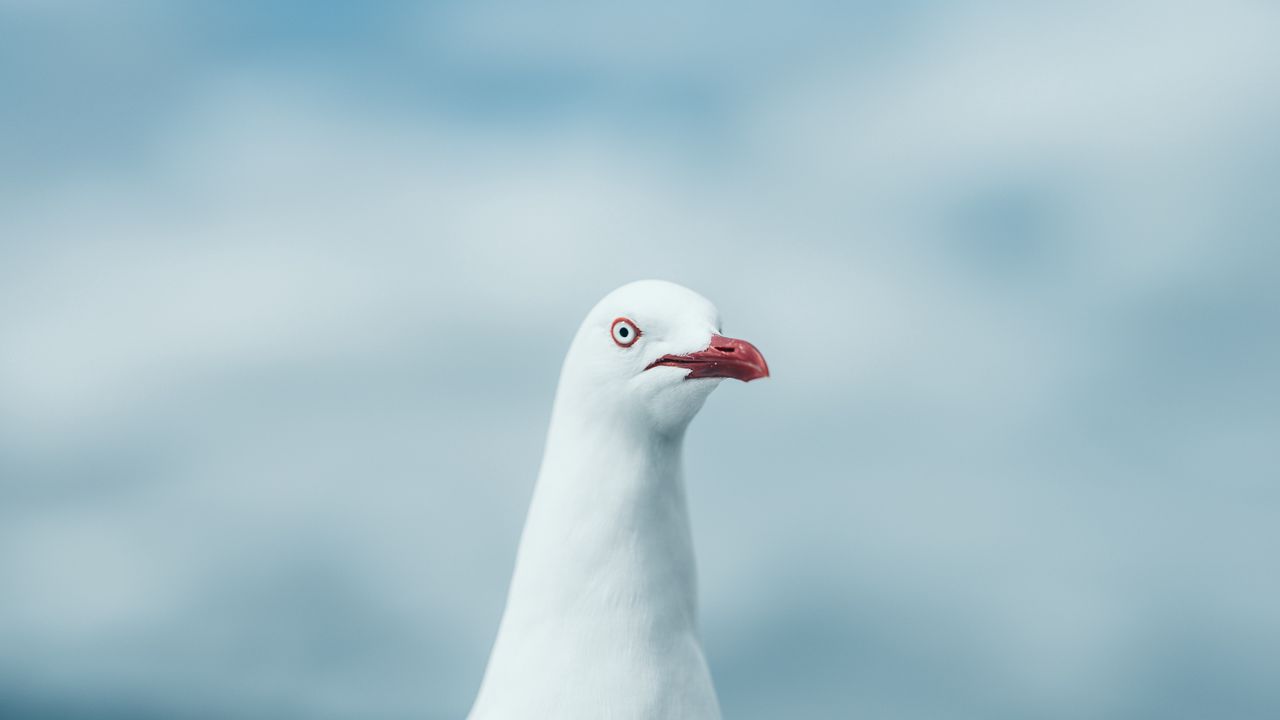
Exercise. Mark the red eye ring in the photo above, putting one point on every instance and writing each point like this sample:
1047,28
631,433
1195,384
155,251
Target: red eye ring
624,332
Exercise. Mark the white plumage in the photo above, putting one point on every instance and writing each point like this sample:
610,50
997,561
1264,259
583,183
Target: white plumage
601,618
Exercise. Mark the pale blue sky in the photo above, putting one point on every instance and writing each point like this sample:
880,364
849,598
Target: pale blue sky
284,289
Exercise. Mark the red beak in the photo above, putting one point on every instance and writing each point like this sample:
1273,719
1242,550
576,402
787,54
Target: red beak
723,358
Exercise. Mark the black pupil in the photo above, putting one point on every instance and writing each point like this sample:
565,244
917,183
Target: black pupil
623,331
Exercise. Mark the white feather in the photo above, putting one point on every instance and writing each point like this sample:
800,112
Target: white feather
601,618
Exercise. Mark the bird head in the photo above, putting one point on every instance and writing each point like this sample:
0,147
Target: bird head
652,351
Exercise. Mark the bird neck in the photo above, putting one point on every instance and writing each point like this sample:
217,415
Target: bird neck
607,539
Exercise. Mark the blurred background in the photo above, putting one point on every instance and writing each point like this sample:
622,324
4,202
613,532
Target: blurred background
284,290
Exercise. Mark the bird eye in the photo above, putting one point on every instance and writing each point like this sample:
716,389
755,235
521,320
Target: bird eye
625,332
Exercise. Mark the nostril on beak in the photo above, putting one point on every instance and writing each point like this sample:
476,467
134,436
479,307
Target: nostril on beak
725,348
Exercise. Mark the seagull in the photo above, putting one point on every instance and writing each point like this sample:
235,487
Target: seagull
601,616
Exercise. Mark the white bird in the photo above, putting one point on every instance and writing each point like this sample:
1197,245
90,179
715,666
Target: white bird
601,616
